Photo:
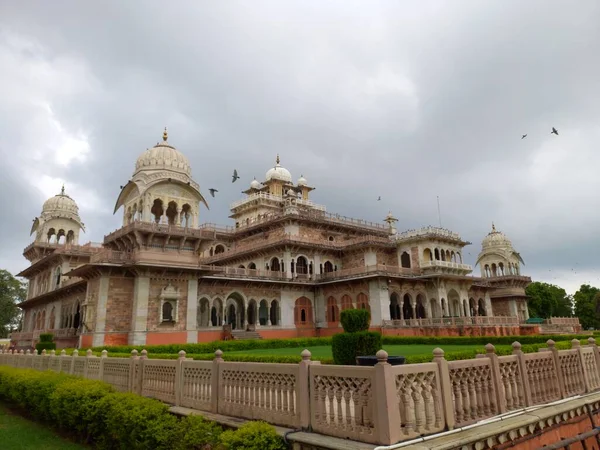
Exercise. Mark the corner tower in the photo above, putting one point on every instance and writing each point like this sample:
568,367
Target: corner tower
161,189
59,222
498,258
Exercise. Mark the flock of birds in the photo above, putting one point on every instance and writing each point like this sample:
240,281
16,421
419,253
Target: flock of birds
554,131
236,177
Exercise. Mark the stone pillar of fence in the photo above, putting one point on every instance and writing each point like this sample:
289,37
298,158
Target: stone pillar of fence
214,382
587,377
561,382
133,372
303,390
592,343
387,413
524,379
490,352
445,387
72,365
179,377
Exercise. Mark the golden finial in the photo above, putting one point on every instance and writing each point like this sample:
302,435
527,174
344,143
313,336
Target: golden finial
165,135
277,160
493,228
62,191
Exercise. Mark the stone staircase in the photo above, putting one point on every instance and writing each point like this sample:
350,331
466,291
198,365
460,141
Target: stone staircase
240,335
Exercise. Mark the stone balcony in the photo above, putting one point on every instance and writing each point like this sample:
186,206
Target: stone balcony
157,228
446,267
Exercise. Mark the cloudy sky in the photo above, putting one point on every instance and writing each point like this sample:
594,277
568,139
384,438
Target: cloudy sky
403,100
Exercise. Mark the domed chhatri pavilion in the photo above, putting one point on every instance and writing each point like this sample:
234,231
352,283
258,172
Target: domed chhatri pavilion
284,268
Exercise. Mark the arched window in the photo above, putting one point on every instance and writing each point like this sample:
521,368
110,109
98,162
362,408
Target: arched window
427,255
481,308
219,249
77,317
185,218
420,312
332,314
52,320
274,313
407,309
58,275
70,237
501,269
303,316
167,311
216,313
443,254
328,267
395,312
437,254
275,266
61,237
405,260
51,235
301,265
252,266
172,213
362,301
347,302
494,271
157,210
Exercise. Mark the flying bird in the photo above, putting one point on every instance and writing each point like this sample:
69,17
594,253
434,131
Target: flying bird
235,176
212,192
554,131
379,198
524,136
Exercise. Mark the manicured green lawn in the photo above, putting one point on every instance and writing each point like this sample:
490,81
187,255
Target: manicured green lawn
18,433
325,351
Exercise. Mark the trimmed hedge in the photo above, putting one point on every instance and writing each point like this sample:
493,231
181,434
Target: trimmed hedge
225,346
92,412
354,320
347,346
46,337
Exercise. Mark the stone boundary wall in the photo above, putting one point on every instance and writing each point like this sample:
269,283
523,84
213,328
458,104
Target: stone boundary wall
383,404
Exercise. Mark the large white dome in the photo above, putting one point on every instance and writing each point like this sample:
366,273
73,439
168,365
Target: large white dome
60,203
496,239
163,157
278,173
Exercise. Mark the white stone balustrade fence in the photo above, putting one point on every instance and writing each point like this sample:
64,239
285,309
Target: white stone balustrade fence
380,405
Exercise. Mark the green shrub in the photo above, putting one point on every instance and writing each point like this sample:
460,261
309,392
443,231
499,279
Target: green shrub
197,433
354,320
347,346
134,422
253,436
46,337
74,406
44,346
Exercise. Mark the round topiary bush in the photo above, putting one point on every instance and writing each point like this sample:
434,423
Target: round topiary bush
355,340
45,343
354,320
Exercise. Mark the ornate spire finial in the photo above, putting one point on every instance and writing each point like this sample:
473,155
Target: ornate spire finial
493,227
62,191
165,135
277,160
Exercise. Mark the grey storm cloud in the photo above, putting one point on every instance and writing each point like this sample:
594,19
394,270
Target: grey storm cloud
403,100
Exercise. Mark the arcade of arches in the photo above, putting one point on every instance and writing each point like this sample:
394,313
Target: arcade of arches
415,306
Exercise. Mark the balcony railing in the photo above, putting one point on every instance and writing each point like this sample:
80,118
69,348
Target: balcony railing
446,265
295,239
151,227
452,321
428,231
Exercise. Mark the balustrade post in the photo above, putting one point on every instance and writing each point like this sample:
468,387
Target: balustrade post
561,382
387,413
72,365
133,371
88,354
490,352
523,372
445,387
103,357
592,343
179,377
214,381
304,396
575,344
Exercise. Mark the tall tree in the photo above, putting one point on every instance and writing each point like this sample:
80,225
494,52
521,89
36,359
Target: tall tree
12,291
587,307
547,300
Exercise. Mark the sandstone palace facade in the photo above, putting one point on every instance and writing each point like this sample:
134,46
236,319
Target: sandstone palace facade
284,268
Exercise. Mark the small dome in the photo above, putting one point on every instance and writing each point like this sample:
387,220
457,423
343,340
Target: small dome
255,184
163,156
495,239
60,203
302,181
278,173
291,193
